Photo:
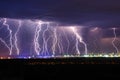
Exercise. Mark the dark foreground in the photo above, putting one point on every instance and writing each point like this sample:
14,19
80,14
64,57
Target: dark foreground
75,68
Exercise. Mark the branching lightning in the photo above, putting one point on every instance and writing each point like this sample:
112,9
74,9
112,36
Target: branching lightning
10,34
79,38
48,40
57,42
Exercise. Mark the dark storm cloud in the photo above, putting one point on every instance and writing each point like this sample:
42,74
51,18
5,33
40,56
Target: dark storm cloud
103,13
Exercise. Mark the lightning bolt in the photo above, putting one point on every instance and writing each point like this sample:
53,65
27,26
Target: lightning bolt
79,38
77,48
5,44
45,50
54,41
16,40
114,32
10,34
57,45
36,38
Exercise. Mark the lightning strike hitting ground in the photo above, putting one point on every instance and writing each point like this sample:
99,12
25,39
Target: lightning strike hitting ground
114,32
6,45
36,38
54,41
10,34
45,50
57,42
16,40
77,48
80,40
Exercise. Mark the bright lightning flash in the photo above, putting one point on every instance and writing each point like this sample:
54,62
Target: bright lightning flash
36,38
16,40
10,34
79,38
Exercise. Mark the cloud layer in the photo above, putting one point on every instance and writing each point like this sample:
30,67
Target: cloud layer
103,13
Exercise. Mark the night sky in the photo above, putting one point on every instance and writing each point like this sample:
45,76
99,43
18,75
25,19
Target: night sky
84,12
102,15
